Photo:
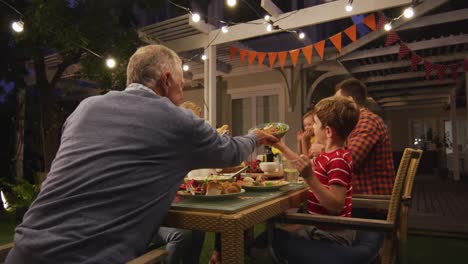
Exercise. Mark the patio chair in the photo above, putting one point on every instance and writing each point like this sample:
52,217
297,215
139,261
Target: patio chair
394,226
151,257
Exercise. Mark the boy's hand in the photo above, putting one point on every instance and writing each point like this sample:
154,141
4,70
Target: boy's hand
299,135
303,165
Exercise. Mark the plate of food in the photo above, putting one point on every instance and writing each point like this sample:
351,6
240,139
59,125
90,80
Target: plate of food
250,184
273,128
211,190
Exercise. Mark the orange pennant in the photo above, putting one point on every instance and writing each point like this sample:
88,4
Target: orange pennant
261,58
294,55
232,53
320,48
336,40
242,54
307,51
272,58
370,22
351,33
252,55
282,57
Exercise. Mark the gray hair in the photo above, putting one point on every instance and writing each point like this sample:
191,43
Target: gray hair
148,63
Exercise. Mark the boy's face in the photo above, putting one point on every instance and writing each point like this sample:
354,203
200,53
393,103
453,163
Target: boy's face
319,131
308,122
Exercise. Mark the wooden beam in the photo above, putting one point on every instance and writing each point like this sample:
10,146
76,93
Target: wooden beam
406,85
405,63
399,76
271,8
407,91
415,46
435,101
419,11
437,19
433,105
413,97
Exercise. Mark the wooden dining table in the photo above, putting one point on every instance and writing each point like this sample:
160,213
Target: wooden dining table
232,216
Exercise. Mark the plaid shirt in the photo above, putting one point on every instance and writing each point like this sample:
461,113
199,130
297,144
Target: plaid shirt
371,151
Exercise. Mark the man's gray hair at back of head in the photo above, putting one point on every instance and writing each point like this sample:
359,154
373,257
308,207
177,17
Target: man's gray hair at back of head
148,63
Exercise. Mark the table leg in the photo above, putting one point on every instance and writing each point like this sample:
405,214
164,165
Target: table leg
232,246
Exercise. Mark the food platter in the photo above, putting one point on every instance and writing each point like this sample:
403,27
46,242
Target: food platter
188,195
268,186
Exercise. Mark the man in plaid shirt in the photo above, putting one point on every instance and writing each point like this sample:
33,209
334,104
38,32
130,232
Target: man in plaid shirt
369,144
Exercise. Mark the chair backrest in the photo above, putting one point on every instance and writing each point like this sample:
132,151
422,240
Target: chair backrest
412,169
410,157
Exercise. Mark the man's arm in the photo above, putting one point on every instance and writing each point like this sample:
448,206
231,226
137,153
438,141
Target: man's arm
362,140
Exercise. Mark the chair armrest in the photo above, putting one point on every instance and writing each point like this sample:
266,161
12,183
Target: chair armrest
4,249
151,257
372,196
370,203
337,221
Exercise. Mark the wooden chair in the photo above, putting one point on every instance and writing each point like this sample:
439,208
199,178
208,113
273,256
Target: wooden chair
394,226
151,257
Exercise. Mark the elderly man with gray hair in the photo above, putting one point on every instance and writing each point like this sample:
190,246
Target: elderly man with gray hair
121,158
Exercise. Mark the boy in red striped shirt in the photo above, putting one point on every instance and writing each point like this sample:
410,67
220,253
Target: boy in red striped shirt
329,175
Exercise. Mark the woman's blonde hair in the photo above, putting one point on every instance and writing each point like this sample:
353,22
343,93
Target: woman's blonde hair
192,106
148,63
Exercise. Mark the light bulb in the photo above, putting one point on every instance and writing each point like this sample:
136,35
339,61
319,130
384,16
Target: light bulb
196,17
18,26
267,18
302,35
409,12
231,3
349,8
110,63
269,28
388,27
203,57
225,29
185,67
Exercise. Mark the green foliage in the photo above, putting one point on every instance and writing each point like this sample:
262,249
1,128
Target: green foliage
22,193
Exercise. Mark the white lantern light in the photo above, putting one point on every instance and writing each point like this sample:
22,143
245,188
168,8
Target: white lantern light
196,17
408,13
18,26
269,27
267,18
110,63
231,3
204,57
388,27
349,8
185,67
302,35
225,29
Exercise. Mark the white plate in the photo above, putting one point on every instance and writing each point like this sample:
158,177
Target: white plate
210,178
210,197
265,188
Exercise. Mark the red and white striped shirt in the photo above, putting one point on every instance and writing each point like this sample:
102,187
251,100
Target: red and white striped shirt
332,168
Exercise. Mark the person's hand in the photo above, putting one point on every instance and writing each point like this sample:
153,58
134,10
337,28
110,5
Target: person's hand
300,135
308,134
315,149
264,138
303,165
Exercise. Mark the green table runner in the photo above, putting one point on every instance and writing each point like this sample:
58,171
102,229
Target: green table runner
233,204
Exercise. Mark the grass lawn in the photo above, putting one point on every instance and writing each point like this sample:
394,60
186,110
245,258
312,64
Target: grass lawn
421,249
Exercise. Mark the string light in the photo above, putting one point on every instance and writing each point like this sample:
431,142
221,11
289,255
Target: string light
196,17
301,35
185,67
18,26
225,29
267,18
388,27
204,57
409,12
111,63
231,3
269,27
349,6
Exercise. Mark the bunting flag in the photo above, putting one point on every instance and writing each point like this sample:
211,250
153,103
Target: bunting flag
320,48
307,51
370,22
232,52
404,50
336,40
242,54
282,58
382,20
261,57
392,37
272,58
441,71
294,54
465,65
351,33
252,55
454,70
415,60
429,68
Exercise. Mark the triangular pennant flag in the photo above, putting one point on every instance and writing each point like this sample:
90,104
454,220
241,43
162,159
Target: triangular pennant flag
454,70
465,65
370,22
272,58
382,20
307,51
429,68
404,50
242,54
294,55
415,60
336,40
320,48
261,58
232,52
282,57
252,55
392,37
351,33
441,71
